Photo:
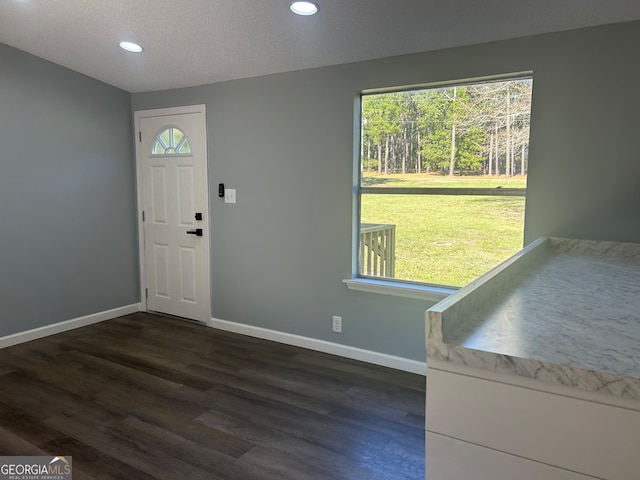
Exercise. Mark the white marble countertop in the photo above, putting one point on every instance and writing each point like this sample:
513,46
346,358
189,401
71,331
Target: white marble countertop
563,311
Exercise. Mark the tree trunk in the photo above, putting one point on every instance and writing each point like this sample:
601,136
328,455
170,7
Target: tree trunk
496,153
379,157
393,157
405,153
452,159
508,141
490,153
386,156
419,159
522,172
361,151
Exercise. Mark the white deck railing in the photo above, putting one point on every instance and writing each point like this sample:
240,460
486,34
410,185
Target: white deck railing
377,250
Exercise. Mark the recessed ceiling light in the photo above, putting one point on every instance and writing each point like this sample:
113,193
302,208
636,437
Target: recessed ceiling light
131,47
304,8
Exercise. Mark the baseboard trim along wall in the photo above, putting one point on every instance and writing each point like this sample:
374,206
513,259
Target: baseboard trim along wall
60,327
383,359
369,356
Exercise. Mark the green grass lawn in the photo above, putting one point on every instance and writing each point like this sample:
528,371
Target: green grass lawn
445,239
370,179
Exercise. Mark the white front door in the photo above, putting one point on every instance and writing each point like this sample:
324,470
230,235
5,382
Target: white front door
173,198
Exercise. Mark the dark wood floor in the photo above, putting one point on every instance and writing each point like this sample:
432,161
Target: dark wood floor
147,397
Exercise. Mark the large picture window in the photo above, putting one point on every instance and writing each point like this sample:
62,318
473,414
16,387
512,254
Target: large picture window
442,185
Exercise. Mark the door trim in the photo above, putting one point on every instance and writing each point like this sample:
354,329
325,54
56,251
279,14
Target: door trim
161,112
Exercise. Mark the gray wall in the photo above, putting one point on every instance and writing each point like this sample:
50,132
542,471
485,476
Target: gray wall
286,143
67,195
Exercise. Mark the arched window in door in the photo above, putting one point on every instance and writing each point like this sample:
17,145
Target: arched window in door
171,141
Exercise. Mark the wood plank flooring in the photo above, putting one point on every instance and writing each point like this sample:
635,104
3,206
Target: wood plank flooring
148,397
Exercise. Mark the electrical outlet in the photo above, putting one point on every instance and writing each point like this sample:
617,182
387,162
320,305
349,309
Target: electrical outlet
337,324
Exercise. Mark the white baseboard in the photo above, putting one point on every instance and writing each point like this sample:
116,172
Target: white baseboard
383,359
60,327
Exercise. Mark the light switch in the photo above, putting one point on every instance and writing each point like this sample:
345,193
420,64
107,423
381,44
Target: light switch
229,195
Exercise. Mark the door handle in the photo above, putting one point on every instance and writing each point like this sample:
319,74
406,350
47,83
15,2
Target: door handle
197,232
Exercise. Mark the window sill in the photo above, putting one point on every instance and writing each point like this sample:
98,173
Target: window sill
421,292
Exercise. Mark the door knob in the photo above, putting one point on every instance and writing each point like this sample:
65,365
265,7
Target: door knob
197,232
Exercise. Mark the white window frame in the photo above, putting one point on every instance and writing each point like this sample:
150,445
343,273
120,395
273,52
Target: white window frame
399,287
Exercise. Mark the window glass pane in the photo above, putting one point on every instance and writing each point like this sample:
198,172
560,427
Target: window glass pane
166,136
439,239
466,136
171,141
177,136
476,129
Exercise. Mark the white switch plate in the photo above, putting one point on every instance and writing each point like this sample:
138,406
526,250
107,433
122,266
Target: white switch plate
230,195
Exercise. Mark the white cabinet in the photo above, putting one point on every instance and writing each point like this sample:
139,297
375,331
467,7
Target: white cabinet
451,459
485,429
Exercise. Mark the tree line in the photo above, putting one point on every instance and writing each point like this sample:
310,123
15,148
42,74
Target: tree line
480,128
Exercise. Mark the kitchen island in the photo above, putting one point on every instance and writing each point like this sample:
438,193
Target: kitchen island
534,368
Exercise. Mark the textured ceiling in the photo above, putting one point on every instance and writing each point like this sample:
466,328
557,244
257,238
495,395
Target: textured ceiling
195,42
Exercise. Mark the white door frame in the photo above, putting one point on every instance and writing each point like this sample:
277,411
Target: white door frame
138,116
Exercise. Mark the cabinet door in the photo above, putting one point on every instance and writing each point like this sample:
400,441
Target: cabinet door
591,438
451,459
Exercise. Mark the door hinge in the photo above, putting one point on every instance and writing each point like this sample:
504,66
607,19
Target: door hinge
140,136
143,215
146,292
